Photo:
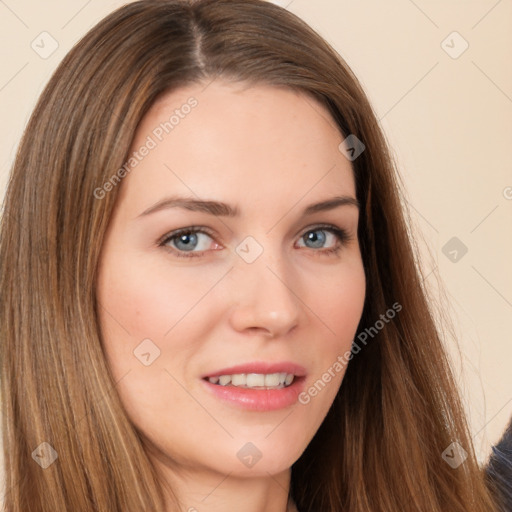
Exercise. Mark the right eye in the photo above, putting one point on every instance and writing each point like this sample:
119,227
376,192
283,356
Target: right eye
186,240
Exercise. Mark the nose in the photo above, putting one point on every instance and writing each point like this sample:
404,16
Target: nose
263,298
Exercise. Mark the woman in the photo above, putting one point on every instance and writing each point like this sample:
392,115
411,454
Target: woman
259,372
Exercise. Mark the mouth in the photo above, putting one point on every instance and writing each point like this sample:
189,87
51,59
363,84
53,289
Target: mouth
257,387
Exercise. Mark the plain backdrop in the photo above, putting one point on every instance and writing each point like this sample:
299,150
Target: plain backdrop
439,76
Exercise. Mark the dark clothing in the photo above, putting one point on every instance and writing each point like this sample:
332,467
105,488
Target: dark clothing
498,471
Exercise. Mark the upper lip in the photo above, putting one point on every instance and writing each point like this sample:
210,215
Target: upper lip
261,367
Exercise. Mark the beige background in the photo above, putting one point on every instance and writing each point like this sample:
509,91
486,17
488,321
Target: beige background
447,115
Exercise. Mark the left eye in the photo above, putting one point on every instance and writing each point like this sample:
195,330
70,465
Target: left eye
187,240
318,241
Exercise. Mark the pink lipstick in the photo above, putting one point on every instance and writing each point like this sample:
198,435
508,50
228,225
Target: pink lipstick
257,386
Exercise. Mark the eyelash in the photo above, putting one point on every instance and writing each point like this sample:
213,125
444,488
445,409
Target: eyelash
341,234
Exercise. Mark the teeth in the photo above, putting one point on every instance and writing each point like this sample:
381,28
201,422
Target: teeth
271,380
254,380
238,380
224,380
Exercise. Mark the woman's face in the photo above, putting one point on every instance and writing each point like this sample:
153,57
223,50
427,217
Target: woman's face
262,278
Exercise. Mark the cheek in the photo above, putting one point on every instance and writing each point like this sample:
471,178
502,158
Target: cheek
339,304
148,301
338,307
140,302
144,300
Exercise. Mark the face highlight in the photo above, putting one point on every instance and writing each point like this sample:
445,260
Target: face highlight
233,241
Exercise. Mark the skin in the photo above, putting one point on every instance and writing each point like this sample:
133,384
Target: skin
271,152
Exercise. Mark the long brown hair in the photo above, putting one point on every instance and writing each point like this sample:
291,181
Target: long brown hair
379,448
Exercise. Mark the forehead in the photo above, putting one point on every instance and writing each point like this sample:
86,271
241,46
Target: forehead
235,142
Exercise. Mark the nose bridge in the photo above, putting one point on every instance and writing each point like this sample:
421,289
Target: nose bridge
264,296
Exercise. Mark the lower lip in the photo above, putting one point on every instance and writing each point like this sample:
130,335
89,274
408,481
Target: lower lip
258,399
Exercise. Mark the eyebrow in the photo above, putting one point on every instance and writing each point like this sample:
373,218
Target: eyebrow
221,209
